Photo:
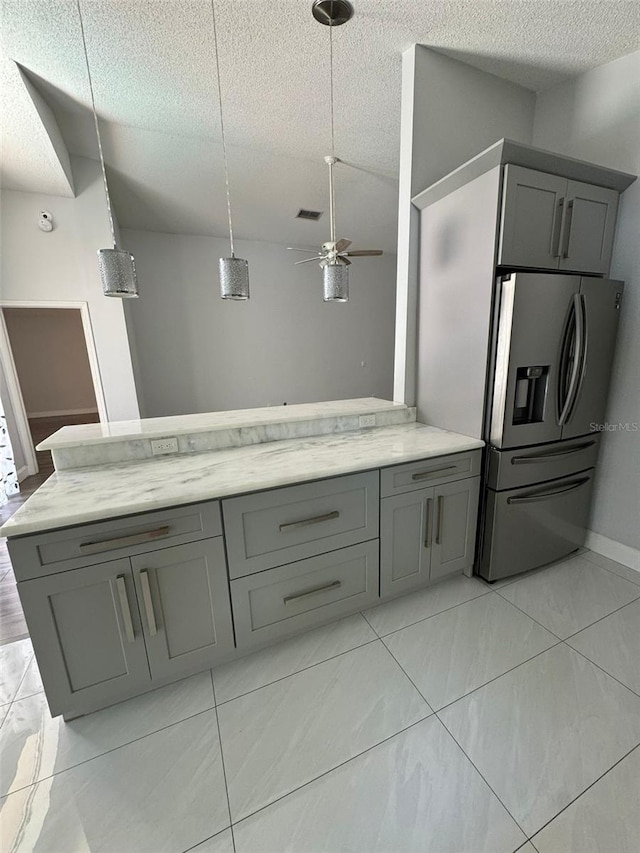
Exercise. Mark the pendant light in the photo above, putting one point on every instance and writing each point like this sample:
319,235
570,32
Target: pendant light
234,272
116,266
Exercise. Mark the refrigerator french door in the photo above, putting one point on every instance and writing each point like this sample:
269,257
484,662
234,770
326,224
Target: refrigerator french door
553,356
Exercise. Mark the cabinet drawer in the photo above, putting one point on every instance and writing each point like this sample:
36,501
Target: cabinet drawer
428,472
74,547
292,598
275,527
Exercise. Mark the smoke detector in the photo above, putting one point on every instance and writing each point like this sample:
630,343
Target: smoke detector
45,221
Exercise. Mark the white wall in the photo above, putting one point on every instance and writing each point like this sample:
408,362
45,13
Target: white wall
450,113
62,265
597,117
199,353
50,356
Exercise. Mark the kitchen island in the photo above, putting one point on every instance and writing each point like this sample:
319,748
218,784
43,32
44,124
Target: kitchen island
264,523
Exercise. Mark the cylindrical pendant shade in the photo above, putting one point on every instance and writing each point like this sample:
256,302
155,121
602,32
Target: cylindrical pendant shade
118,273
234,278
335,279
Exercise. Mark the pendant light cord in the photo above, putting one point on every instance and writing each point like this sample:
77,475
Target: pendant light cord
333,144
97,127
224,144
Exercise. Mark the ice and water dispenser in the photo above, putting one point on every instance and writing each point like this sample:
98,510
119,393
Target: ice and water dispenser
531,393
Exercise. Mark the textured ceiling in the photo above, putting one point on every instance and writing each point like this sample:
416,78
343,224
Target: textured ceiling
154,78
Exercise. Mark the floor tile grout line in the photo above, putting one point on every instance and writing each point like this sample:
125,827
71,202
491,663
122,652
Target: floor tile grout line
553,634
601,668
108,751
24,674
436,714
209,837
606,568
602,618
224,770
331,769
297,671
424,618
499,799
582,793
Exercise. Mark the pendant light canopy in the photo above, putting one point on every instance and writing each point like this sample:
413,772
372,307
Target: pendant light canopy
116,266
234,272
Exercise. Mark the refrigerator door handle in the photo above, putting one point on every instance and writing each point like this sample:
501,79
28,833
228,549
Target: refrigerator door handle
577,311
581,352
532,497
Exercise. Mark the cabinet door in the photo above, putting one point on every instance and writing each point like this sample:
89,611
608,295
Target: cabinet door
532,205
86,633
588,228
454,538
406,534
184,599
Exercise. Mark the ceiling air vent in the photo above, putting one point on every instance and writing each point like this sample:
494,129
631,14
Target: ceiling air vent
313,215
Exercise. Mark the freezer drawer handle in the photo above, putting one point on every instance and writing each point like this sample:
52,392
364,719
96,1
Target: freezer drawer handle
543,496
317,519
424,475
124,541
555,454
289,599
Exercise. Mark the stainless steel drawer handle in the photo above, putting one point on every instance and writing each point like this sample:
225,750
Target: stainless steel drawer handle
554,454
317,519
552,493
440,514
424,475
429,531
124,541
148,603
121,588
288,599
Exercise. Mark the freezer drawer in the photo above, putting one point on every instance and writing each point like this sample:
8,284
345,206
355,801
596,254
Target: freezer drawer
508,469
534,525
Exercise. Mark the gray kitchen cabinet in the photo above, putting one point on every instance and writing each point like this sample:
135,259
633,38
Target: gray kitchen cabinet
454,527
86,633
588,228
406,536
183,594
532,209
549,222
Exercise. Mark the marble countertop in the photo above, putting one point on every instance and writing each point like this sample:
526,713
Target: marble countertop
117,431
109,491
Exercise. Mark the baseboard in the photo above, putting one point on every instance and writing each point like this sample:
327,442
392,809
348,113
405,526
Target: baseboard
62,413
624,554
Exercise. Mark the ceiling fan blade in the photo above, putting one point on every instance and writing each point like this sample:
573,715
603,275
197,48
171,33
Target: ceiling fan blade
298,249
345,261
308,260
342,244
362,253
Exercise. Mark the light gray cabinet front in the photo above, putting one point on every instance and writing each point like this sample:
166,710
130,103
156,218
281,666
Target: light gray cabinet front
588,228
532,211
183,594
455,519
406,538
86,633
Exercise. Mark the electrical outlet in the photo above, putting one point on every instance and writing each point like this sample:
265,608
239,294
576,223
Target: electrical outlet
367,420
164,445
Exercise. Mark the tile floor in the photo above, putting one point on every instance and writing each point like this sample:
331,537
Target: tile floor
461,719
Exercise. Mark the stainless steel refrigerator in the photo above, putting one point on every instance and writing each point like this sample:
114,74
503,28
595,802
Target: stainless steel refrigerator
551,363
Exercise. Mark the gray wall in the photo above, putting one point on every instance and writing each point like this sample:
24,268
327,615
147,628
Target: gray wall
198,353
597,117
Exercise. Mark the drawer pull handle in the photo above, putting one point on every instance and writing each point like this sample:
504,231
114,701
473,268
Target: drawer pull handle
429,532
121,587
124,541
553,454
148,603
532,497
440,514
288,599
317,519
424,475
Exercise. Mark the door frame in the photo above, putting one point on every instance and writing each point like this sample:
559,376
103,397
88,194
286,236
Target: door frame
11,374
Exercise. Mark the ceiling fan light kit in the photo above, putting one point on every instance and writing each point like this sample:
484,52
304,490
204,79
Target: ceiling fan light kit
116,266
333,256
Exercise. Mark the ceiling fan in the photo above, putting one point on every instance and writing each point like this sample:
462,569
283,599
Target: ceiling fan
334,251
334,255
